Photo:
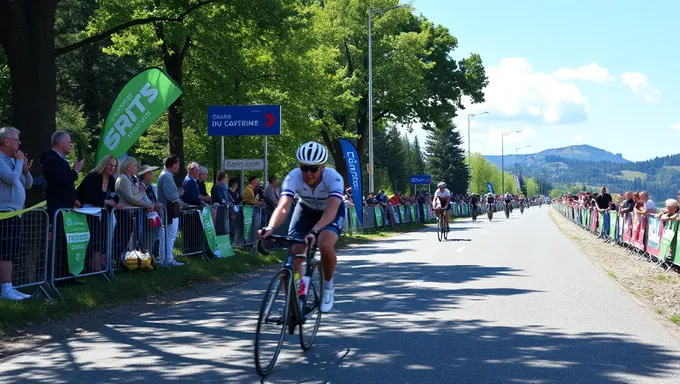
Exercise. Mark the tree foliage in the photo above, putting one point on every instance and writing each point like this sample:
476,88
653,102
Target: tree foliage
446,158
309,56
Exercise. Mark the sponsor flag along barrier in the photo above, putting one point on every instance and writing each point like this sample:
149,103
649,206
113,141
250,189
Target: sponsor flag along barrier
139,104
349,151
647,235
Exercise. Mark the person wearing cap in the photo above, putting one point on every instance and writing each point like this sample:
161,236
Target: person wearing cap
149,234
145,175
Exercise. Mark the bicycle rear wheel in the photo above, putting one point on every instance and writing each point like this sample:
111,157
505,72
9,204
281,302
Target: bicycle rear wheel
267,349
312,308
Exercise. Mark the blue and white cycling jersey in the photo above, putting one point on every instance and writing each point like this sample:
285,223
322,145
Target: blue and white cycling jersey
331,185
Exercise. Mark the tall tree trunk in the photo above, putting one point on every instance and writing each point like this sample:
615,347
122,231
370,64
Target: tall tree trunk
27,36
173,65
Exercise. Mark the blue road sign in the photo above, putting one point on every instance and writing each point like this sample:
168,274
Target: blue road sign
244,120
421,179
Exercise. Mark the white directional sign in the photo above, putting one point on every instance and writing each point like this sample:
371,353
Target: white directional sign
243,164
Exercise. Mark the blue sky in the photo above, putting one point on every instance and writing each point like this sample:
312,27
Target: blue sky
603,73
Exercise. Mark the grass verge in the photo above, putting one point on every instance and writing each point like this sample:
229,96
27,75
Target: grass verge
131,286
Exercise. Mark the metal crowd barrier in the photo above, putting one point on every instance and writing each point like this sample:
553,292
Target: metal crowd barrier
133,229
648,236
24,239
80,239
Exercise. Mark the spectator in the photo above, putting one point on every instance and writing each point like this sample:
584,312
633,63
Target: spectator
233,192
145,175
170,197
128,190
220,195
272,194
249,195
15,179
130,196
98,190
219,192
190,185
149,232
671,211
603,200
202,191
59,175
648,206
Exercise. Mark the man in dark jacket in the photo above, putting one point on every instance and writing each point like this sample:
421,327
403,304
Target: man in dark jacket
190,185
60,193
59,175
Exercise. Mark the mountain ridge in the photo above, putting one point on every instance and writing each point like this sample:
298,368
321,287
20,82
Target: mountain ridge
582,152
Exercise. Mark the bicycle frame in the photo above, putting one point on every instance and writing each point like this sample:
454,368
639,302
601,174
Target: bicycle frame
297,315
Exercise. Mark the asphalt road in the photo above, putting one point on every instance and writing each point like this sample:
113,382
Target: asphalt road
503,301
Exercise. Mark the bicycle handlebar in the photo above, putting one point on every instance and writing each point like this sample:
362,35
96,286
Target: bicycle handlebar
288,239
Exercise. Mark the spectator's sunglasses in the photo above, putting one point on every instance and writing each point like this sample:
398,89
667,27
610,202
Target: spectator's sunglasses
309,168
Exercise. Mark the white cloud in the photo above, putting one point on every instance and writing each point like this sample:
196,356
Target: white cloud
511,140
517,93
675,126
640,86
591,72
578,137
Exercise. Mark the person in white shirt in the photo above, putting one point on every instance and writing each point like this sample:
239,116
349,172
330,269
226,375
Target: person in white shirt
442,197
319,215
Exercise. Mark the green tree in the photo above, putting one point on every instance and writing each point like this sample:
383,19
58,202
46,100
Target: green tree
532,187
414,73
446,158
555,193
483,172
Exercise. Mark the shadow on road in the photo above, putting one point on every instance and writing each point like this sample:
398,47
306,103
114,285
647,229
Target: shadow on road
392,324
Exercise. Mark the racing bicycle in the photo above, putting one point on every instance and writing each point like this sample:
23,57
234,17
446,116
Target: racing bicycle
300,306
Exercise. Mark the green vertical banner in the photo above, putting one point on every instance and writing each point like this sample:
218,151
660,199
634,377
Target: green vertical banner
139,104
612,224
402,212
209,229
395,212
600,222
414,215
378,216
670,231
224,246
353,218
247,221
77,237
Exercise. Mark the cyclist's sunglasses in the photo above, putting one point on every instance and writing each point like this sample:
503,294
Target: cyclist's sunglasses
309,168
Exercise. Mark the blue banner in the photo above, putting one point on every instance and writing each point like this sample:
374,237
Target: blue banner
488,185
354,176
421,179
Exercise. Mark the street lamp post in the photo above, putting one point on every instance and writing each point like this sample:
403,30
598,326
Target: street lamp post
470,116
371,171
503,134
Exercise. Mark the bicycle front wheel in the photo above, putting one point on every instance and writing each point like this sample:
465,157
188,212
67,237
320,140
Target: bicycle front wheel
271,324
440,229
312,308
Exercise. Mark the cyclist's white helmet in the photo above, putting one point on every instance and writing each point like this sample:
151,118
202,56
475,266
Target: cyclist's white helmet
441,185
312,153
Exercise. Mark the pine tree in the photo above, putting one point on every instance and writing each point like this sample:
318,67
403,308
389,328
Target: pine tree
446,158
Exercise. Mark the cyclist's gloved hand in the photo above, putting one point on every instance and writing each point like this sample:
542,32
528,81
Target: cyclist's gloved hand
311,238
264,232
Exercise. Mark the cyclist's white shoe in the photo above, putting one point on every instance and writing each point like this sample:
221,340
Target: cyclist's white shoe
328,300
